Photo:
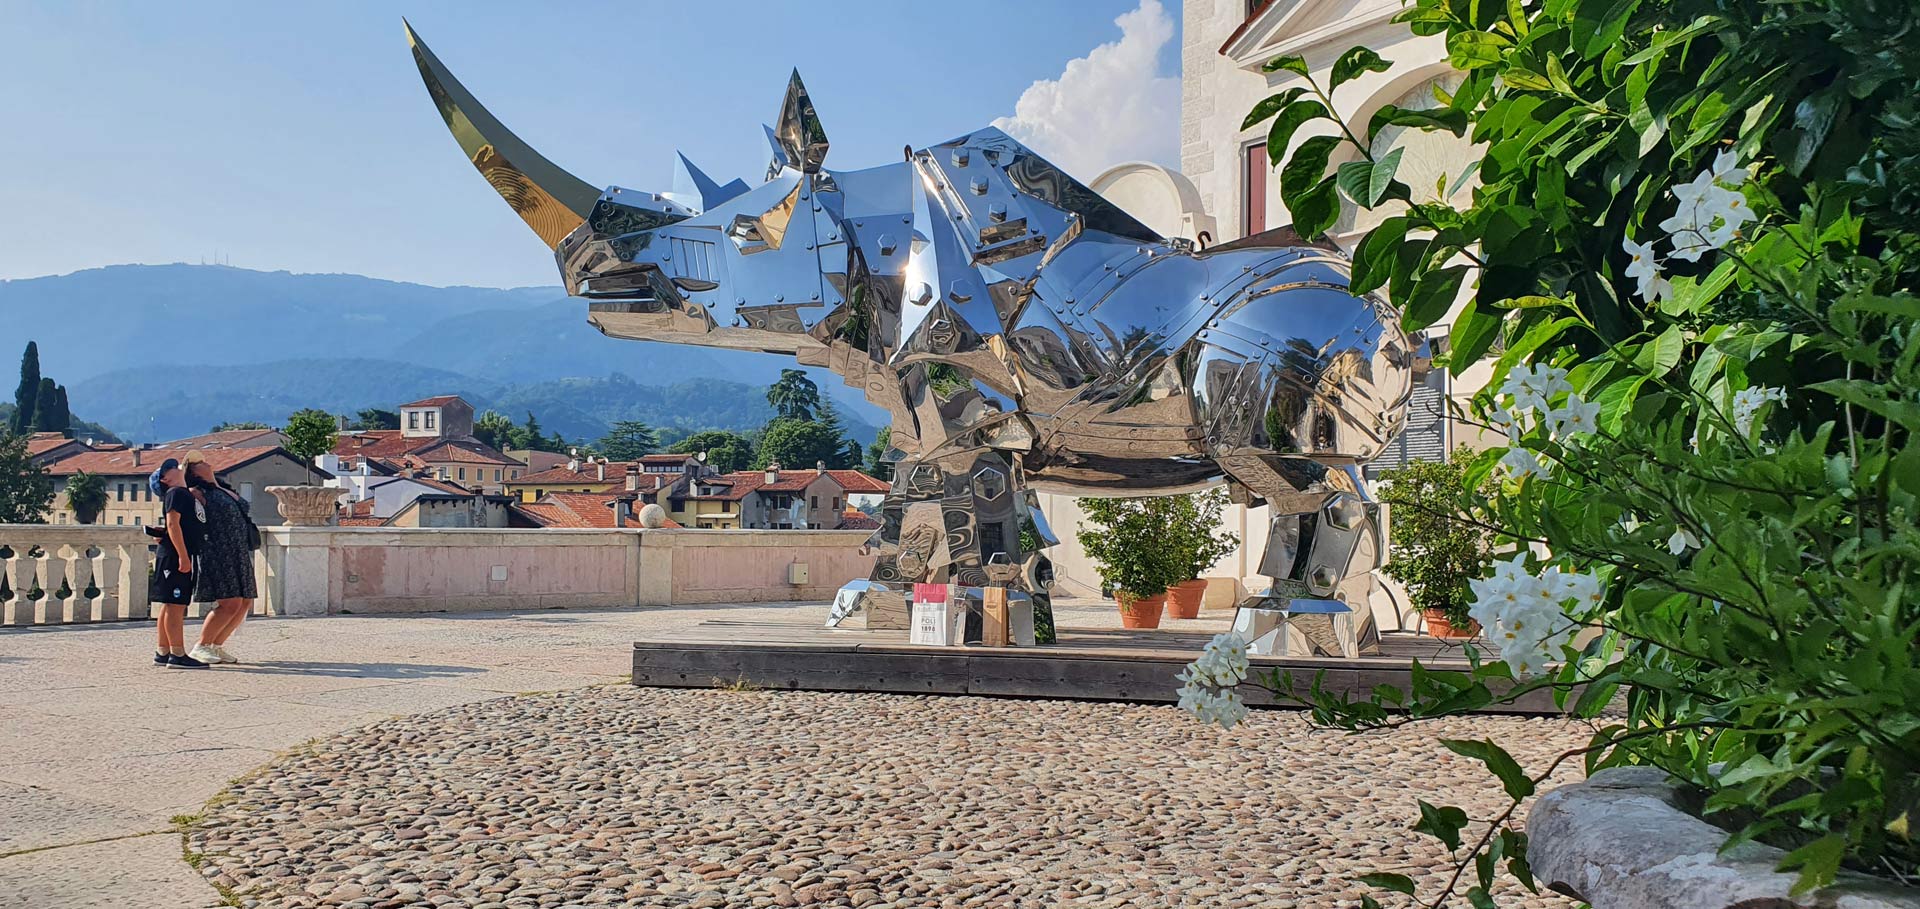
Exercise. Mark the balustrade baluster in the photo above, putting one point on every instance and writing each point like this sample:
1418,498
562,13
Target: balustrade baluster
100,606
10,599
30,578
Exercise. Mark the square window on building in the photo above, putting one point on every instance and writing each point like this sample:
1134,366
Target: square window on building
496,476
1253,196
246,492
120,492
430,419
463,470
136,520
813,502
413,419
120,519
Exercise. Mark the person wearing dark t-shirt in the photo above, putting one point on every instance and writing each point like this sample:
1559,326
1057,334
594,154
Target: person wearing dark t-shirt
173,575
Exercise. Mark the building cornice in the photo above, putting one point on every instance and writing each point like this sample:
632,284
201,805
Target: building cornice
1283,27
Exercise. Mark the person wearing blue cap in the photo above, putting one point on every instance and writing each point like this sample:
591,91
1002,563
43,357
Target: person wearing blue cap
173,575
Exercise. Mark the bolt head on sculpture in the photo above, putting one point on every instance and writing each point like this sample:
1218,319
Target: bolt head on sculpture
1007,317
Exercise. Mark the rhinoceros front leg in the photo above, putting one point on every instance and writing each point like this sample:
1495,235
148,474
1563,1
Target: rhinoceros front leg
1323,542
951,519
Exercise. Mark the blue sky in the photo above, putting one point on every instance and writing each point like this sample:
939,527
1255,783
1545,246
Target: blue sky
298,137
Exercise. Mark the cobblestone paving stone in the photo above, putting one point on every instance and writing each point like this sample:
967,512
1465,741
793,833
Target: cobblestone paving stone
646,797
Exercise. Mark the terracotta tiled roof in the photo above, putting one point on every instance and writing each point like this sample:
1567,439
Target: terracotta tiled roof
461,451
232,438
41,443
668,458
734,486
854,520
435,401
587,474
375,443
538,461
361,522
131,463
855,481
577,510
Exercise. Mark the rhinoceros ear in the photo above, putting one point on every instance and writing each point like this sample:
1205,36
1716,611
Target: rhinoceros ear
551,201
799,134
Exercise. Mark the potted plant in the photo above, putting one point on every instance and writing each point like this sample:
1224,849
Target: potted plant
1193,531
1123,537
1433,552
87,496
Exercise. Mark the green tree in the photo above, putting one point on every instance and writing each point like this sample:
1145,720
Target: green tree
847,457
527,436
46,407
877,463
628,440
726,451
310,433
234,425
794,396
28,393
375,418
1437,550
795,444
64,416
493,429
87,496
26,492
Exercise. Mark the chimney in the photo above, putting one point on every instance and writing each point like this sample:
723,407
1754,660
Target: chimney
574,464
773,473
340,422
136,457
633,477
601,470
622,512
820,466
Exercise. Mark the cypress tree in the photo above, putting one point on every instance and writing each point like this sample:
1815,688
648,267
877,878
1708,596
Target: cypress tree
45,405
25,396
64,420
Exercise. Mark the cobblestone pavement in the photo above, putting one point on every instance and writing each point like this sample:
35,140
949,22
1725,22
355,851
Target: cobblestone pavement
647,797
101,745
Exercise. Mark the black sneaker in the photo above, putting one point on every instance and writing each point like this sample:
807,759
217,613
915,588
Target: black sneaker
184,662
159,659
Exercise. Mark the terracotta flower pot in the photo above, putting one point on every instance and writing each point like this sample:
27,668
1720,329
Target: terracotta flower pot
1183,599
1439,627
1140,612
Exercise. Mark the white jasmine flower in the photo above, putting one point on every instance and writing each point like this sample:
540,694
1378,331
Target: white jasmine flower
1681,541
1228,709
1577,415
1723,211
1523,463
1645,270
1747,403
1725,170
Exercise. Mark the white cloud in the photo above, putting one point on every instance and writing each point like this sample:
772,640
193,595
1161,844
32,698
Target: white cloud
1110,106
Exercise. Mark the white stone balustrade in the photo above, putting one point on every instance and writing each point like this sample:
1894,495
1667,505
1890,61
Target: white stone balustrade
97,574
68,574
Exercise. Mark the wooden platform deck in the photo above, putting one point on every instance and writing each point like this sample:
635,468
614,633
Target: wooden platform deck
1085,664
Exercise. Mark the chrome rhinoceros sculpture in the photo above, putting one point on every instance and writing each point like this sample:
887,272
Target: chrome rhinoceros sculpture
1023,332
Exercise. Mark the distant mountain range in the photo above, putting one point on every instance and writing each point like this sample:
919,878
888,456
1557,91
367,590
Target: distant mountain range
162,351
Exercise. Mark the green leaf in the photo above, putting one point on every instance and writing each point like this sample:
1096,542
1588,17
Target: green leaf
1316,209
1269,106
1442,823
1818,861
1432,296
1473,334
1292,63
1385,880
1425,20
1465,175
1382,176
1478,898
1527,80
1873,397
1453,121
1353,177
1663,353
1373,259
1280,135
1813,119
1512,777
1306,167
1473,50
1616,400
1351,64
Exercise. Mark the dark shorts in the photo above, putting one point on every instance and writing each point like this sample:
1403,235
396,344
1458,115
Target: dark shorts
170,585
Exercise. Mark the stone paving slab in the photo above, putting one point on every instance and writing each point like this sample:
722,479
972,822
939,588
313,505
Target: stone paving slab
35,818
142,872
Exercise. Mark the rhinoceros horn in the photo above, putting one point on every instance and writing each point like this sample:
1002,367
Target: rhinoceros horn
551,201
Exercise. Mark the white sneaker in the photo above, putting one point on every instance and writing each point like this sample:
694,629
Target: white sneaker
220,650
206,654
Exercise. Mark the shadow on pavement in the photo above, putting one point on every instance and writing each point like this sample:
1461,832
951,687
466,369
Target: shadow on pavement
394,671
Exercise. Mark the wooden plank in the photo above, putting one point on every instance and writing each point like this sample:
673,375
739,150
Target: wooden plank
993,625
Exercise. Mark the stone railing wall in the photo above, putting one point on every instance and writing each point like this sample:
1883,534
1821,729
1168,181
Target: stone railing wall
95,573
368,570
63,574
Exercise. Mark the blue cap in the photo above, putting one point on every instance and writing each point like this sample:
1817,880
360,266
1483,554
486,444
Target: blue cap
153,480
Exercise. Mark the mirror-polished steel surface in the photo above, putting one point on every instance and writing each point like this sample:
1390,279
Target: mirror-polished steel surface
1023,332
